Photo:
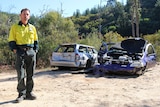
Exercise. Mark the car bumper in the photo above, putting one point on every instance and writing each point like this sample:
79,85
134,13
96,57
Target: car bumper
65,64
116,68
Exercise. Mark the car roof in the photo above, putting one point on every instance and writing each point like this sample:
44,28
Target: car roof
76,44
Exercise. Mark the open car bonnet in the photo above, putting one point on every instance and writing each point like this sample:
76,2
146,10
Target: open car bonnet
134,45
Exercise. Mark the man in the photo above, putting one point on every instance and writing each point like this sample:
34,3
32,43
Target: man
23,41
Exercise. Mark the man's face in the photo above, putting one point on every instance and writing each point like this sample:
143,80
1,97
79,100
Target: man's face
25,15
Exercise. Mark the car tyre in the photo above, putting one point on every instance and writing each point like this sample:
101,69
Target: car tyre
88,64
61,68
142,71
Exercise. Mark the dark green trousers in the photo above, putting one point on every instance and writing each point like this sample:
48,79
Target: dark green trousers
25,66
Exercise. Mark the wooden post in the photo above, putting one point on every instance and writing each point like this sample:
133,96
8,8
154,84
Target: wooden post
135,18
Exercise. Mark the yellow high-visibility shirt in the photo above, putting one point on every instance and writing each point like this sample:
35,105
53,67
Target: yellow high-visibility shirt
22,34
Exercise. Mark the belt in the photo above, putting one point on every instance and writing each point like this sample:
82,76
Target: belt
25,48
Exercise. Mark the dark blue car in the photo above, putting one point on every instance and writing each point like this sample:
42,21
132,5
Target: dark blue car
131,56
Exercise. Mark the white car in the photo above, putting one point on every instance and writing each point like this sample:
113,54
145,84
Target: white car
74,55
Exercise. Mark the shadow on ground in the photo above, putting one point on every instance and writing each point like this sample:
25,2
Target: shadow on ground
55,73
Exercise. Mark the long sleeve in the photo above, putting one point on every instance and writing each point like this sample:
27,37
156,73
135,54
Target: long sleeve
11,39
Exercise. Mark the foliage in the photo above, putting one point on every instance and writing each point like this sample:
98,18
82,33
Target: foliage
54,30
113,37
115,16
92,39
5,21
5,56
109,23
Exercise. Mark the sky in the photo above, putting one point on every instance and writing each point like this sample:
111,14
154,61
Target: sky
67,7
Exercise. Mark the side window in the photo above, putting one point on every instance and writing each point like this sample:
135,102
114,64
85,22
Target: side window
150,50
90,50
94,51
70,49
61,49
82,49
67,48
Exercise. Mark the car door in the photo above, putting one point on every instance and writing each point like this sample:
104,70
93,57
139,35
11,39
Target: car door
94,54
82,51
64,53
150,56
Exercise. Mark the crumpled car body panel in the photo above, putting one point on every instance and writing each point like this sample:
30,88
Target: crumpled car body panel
131,56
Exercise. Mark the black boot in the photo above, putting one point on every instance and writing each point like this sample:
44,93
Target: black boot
20,98
30,96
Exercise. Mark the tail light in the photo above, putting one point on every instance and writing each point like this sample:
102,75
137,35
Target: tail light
77,57
51,56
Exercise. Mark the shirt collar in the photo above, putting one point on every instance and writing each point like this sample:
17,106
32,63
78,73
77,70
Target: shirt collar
21,24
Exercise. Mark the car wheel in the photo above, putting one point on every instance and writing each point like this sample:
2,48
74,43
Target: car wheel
61,68
141,71
88,64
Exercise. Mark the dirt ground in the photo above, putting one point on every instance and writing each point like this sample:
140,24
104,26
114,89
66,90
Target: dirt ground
55,88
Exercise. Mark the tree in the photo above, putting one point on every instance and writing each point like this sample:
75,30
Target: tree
77,13
54,30
87,12
111,2
135,16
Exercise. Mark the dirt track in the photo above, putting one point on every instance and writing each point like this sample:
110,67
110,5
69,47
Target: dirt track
64,89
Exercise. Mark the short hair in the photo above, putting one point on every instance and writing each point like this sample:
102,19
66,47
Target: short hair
25,9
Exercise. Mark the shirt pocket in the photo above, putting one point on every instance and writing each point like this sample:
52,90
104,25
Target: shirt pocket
19,35
31,34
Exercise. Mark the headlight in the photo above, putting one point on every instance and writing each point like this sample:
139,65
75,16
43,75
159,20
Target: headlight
137,64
